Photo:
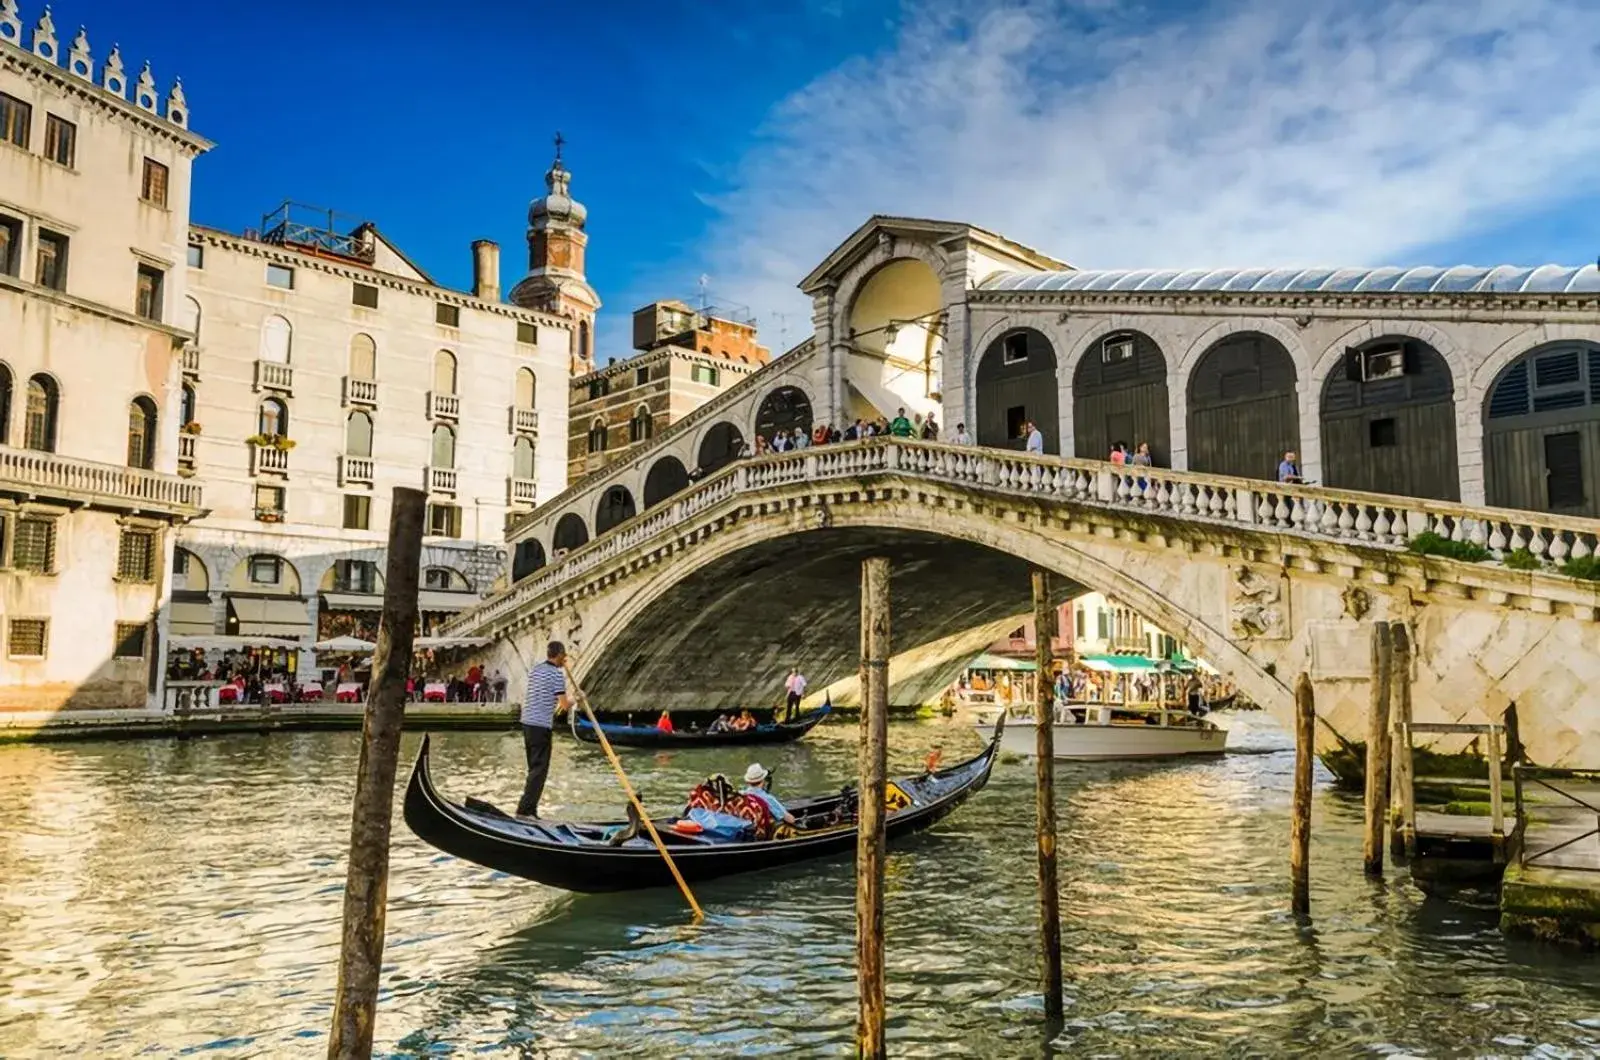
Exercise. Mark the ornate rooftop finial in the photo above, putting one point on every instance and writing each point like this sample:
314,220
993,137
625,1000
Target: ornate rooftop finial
112,78
144,93
44,36
559,141
177,104
79,61
557,206
10,23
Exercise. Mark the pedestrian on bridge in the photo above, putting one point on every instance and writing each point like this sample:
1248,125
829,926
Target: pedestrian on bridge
546,693
1035,438
901,427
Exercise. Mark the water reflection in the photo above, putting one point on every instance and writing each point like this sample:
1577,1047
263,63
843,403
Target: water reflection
162,897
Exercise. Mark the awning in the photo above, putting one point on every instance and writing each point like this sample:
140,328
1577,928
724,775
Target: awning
435,602
434,643
347,645
189,618
264,616
353,601
219,642
1123,664
432,602
987,661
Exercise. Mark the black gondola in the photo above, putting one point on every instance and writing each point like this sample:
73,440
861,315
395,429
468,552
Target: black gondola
580,857
650,736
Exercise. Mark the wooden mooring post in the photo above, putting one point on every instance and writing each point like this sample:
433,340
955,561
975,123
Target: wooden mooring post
1402,782
869,837
1045,773
1305,738
1377,771
366,888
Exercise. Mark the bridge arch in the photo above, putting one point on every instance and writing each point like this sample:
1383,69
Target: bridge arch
665,477
1016,382
719,446
1119,394
1541,423
528,558
1390,434
783,409
615,506
1243,403
571,533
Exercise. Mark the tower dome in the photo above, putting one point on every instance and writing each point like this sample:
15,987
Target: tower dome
557,206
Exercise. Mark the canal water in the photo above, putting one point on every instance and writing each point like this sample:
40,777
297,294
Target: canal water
183,898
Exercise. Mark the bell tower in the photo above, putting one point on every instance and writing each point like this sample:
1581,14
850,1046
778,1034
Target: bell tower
556,243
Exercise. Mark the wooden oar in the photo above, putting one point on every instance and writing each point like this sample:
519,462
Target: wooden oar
616,763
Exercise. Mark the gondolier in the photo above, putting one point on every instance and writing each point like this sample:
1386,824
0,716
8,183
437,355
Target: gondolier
546,693
795,686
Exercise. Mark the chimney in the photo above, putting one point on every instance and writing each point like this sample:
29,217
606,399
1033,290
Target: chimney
486,270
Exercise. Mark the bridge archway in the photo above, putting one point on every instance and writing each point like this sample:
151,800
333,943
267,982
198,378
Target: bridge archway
783,410
528,558
616,506
1541,419
1016,382
1394,434
570,533
720,447
1243,409
1119,394
666,477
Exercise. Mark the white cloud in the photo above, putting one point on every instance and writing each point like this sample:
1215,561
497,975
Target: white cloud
1255,133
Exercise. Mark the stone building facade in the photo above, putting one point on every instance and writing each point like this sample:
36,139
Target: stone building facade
326,369
94,206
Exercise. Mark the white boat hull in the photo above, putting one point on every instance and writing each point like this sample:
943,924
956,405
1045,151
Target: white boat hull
1090,743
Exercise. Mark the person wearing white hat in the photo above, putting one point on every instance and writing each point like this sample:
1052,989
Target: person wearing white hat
756,779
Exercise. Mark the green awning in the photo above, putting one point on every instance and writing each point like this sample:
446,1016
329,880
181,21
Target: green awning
1124,664
987,661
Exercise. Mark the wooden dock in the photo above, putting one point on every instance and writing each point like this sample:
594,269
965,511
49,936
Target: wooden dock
1551,888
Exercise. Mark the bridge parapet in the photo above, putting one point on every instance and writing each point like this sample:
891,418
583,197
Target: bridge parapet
1296,511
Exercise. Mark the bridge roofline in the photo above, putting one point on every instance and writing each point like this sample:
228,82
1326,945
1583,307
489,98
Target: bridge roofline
859,243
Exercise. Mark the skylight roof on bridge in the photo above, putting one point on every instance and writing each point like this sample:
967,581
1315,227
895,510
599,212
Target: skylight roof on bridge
1462,279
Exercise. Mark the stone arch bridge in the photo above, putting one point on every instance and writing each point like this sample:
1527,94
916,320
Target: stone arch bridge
707,598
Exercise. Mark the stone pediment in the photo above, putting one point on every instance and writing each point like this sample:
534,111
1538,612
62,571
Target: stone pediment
880,227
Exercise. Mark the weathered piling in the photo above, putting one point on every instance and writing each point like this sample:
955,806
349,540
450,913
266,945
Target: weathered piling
367,880
1401,781
1305,738
1044,749
869,838
1377,778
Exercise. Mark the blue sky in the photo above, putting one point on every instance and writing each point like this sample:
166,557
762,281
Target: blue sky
743,141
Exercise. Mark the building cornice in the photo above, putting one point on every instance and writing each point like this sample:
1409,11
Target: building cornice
366,274
34,66
1294,303
105,312
666,353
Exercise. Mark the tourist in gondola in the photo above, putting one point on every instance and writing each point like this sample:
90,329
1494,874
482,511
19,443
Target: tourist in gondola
721,724
546,693
756,783
664,723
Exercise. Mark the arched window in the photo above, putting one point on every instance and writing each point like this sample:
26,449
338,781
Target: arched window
358,435
5,405
445,580
363,358
641,427
39,425
597,436
526,388
276,337
522,458
583,340
188,409
444,372
444,446
273,418
142,433
189,317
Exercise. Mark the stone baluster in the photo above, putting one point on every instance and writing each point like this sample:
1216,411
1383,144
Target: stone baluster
1559,549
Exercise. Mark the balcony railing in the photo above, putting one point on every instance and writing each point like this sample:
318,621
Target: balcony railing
360,391
268,459
106,485
440,479
522,492
270,375
186,450
191,362
524,421
443,406
355,469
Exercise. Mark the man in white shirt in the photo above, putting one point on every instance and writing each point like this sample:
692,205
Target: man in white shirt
795,686
1035,439
962,437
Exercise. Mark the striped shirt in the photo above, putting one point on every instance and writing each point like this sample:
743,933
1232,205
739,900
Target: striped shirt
546,683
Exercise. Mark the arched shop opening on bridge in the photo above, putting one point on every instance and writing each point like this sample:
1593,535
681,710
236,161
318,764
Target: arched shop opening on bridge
1119,394
897,319
570,533
667,476
527,558
616,506
1016,384
720,447
1389,421
189,613
1541,445
783,411
1243,410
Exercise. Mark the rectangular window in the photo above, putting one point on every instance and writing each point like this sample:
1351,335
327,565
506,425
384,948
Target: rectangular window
1104,623
147,301
280,276
448,315
527,333
1080,622
197,256
265,570
599,388
33,545
136,556
1016,416
130,640
364,295
641,376
355,576
1015,349
269,499
50,261
10,245
153,188
444,520
704,373
357,512
60,140
180,563
15,117
1383,434
27,638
